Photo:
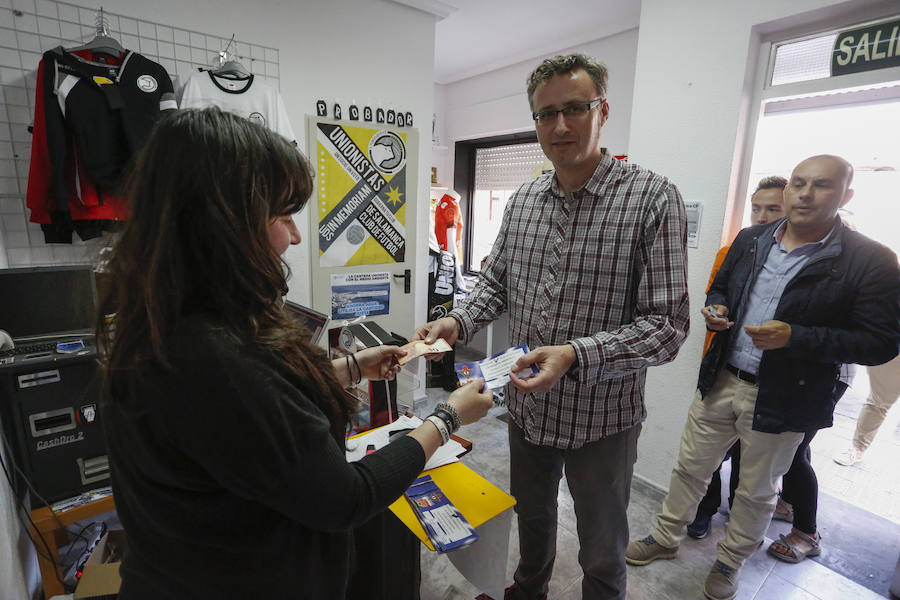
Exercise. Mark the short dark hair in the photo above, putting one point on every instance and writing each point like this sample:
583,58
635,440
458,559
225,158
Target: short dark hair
771,182
562,64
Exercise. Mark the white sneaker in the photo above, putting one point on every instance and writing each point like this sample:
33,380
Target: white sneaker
848,457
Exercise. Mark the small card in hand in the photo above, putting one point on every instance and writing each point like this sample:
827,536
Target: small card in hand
495,370
445,526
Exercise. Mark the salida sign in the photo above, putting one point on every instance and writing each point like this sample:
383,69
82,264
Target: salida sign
867,48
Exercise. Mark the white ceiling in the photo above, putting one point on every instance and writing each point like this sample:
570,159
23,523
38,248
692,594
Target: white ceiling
483,35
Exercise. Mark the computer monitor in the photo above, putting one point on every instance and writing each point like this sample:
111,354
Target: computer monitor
46,302
313,320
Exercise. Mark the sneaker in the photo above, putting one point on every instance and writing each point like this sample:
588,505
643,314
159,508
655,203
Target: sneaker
699,529
848,457
722,582
645,551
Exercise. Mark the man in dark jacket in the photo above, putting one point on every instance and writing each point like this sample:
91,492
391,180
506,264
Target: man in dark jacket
807,294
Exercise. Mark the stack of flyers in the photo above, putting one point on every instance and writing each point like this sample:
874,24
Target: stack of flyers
495,370
447,529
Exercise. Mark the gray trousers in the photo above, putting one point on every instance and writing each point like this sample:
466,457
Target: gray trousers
599,477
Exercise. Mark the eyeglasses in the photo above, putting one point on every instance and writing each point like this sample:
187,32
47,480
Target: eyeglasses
572,111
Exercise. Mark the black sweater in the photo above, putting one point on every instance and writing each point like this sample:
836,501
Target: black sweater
229,484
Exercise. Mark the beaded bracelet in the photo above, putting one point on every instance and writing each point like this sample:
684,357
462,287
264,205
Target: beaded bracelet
441,427
447,407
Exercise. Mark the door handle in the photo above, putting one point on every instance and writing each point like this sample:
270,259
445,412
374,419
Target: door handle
406,276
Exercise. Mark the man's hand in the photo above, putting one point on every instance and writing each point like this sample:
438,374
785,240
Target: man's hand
552,362
712,321
770,335
446,328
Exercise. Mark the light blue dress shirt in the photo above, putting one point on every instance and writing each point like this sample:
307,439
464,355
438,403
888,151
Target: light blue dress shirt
780,267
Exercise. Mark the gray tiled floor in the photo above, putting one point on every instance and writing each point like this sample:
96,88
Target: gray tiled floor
763,578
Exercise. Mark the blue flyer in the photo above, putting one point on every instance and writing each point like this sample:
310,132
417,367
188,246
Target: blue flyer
446,527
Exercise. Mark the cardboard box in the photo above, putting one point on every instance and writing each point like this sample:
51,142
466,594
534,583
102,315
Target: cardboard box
100,578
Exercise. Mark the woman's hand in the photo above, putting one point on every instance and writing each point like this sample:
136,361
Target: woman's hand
378,363
470,403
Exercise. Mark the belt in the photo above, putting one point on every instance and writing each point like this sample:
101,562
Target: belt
742,375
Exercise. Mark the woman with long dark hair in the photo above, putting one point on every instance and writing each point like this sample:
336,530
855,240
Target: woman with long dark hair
225,427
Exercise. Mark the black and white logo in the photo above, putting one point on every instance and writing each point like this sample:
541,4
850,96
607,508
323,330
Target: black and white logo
387,151
257,118
147,83
88,413
356,234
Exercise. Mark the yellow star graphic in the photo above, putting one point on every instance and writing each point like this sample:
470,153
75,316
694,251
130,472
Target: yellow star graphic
393,196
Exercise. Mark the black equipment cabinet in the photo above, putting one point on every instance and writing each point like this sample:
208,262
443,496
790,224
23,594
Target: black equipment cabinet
51,420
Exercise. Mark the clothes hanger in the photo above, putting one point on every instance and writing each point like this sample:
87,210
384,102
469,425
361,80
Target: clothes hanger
229,67
102,43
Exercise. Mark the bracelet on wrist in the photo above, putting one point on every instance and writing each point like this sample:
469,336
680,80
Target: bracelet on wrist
441,427
447,419
358,370
449,409
349,373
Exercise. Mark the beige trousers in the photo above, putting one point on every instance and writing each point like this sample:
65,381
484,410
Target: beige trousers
714,423
885,388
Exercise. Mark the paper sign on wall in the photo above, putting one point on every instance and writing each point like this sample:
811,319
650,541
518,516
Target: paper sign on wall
693,210
360,294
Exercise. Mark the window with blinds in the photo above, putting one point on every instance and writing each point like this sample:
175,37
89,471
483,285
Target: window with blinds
499,171
859,47
803,60
507,167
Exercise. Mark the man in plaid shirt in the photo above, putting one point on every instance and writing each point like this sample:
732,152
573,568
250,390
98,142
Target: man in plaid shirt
590,262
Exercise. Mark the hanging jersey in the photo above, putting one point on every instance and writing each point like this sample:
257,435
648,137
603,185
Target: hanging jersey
446,215
249,98
91,117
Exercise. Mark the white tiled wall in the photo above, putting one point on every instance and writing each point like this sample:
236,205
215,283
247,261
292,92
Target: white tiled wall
30,27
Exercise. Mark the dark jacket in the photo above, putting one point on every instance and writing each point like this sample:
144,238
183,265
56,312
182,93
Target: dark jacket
843,307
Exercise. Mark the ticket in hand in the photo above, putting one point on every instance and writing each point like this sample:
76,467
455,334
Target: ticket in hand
495,370
420,348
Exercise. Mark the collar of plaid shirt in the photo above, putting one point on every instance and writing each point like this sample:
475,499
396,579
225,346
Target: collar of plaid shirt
603,269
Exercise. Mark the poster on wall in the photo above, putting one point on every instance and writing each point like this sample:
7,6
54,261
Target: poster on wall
360,295
361,175
694,211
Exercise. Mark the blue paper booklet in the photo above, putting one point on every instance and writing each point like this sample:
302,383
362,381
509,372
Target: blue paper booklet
495,370
445,526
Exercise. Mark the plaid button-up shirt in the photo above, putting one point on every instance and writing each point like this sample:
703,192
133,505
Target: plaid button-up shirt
604,269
